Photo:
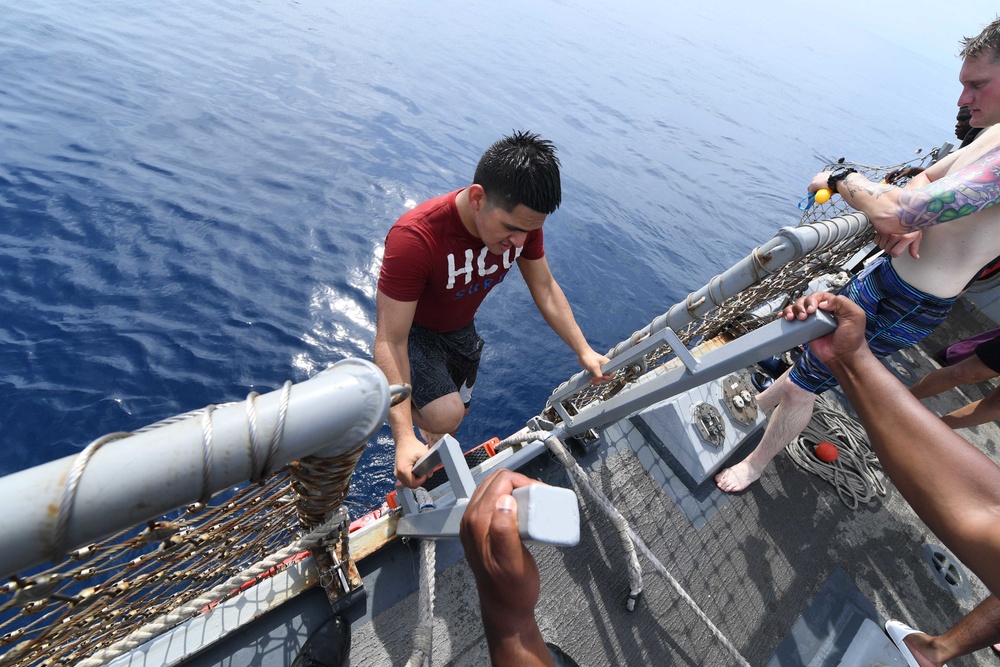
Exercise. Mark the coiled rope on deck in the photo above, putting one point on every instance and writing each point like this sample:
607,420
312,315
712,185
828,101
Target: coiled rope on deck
630,540
853,472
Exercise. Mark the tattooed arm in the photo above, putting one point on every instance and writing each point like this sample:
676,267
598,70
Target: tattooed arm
895,210
897,244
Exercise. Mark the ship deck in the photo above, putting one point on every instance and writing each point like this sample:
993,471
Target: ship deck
755,567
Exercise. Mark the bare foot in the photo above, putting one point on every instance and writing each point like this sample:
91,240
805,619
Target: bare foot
737,478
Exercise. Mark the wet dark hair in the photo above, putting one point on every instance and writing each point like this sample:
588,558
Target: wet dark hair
964,113
521,169
986,43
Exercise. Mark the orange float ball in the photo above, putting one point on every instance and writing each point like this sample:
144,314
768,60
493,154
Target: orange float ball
823,195
826,451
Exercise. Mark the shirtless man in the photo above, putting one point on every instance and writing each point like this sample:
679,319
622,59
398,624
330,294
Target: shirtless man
441,259
906,296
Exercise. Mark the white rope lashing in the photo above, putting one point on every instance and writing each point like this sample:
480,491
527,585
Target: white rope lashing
222,591
207,472
60,543
68,502
260,469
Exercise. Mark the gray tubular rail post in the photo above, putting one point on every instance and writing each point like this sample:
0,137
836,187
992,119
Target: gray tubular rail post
789,244
133,479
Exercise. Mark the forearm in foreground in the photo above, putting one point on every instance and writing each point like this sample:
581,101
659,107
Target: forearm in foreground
952,486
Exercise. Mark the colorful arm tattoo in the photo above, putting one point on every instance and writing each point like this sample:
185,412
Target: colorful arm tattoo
970,190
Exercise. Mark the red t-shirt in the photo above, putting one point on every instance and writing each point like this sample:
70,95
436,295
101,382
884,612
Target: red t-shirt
431,258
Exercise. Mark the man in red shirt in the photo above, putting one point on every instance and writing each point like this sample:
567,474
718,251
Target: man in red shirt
441,260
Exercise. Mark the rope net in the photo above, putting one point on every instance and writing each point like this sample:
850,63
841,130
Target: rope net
757,305
106,589
103,592
95,598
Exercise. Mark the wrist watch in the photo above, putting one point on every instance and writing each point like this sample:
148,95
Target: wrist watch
837,176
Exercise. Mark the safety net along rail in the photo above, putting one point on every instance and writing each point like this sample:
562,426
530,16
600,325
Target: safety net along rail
748,295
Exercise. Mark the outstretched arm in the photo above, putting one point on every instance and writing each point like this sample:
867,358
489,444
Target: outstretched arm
953,487
506,574
895,210
555,308
391,354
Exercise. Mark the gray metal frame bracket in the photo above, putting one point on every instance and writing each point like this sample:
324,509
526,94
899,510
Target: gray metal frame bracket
434,524
769,340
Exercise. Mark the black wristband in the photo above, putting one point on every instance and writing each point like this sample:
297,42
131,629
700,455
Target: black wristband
836,177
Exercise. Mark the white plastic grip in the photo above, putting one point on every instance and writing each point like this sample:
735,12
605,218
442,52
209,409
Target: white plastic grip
548,514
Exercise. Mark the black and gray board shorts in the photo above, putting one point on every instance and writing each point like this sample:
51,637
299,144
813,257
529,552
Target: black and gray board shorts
443,363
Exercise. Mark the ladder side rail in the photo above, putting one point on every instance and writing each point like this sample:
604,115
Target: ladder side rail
788,244
771,339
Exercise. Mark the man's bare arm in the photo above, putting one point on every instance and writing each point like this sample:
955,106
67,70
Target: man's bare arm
895,210
392,329
951,485
556,311
506,574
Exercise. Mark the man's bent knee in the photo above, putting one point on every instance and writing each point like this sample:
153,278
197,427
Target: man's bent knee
442,415
793,393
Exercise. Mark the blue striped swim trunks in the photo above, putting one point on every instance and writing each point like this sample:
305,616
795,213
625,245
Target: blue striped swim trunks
897,316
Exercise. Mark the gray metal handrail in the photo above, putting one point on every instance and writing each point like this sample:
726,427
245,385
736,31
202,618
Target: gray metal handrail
132,480
770,339
787,245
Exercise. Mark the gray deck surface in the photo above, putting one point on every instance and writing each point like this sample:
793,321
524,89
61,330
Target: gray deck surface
754,568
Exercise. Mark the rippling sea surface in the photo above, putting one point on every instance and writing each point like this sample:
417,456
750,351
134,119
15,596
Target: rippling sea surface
194,196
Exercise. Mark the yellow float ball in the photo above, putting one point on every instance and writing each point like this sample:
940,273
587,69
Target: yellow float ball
823,195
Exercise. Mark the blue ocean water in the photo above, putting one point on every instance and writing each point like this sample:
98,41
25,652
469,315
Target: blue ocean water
193,198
